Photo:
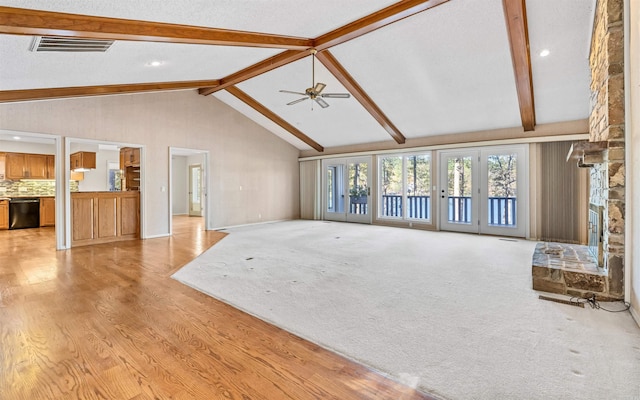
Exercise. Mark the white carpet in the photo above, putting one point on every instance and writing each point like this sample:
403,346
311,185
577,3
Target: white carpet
452,314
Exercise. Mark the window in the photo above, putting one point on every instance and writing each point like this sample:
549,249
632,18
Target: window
405,187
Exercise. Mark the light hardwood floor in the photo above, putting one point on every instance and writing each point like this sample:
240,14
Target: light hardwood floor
108,322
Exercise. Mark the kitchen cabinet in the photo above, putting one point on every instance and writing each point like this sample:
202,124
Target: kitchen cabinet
130,165
47,211
51,167
3,163
26,166
83,160
129,157
102,217
4,214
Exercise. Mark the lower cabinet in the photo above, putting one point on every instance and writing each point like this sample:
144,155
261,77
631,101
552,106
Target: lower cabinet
101,217
4,214
47,211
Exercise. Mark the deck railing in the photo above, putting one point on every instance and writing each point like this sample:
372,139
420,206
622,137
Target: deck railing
501,210
418,207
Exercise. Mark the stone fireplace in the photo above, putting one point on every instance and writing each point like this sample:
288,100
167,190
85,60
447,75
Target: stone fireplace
569,269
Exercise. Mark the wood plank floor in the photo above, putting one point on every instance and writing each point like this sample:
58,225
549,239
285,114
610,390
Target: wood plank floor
108,322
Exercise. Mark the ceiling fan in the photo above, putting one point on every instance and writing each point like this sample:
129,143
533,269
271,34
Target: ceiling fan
314,92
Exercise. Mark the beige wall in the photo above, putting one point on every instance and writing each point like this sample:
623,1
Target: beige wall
253,175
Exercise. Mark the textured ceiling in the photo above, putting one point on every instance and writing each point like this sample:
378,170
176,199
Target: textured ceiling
446,70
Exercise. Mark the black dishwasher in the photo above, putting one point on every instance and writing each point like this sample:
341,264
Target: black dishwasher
24,212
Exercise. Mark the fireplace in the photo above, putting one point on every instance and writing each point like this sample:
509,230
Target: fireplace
595,233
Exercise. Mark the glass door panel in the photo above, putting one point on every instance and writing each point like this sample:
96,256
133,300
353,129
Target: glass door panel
504,191
334,192
347,190
418,186
359,190
459,191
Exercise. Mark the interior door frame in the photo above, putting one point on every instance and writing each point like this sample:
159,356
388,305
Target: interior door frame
180,151
345,215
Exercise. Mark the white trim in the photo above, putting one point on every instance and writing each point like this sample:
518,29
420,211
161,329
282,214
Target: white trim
629,173
161,235
538,139
635,314
251,224
205,180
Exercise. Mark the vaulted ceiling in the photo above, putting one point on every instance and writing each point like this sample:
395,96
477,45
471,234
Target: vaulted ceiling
413,68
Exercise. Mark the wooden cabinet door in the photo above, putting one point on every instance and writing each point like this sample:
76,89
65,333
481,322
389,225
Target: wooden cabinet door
75,161
15,166
135,157
4,214
47,211
51,167
36,166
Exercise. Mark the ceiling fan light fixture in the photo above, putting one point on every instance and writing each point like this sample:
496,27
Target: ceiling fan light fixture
314,92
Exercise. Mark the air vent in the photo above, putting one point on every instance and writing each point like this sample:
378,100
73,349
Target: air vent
67,44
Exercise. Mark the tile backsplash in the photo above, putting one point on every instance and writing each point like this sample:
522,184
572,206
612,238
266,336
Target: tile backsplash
31,188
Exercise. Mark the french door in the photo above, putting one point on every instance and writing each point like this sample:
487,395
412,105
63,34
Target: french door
347,189
484,190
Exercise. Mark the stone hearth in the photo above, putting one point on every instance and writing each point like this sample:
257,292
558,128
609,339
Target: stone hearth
568,269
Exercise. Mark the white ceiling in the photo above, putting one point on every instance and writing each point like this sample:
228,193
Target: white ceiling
445,70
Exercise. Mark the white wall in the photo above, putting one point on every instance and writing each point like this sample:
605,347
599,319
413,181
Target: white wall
95,180
253,175
633,162
25,147
179,185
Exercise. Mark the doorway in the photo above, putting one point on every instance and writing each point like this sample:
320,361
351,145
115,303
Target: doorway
347,189
195,190
188,187
484,190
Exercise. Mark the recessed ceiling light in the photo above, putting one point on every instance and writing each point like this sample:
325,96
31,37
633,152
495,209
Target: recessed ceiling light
16,138
544,53
154,63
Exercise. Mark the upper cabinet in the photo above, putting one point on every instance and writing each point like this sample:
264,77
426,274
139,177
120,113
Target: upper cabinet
51,167
83,161
130,165
26,166
3,163
129,157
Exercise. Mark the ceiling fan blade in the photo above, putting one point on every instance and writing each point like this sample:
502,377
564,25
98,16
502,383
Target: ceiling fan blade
322,103
289,91
336,95
319,87
297,101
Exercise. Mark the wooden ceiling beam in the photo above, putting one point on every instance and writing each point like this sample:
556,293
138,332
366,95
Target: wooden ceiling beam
350,31
250,101
516,18
82,91
329,61
269,64
371,22
19,21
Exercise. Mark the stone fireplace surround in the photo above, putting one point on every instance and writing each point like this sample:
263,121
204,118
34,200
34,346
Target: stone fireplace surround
568,269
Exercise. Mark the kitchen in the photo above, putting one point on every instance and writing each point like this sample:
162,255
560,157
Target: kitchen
104,186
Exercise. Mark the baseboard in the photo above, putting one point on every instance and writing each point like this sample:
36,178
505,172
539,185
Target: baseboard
251,224
635,314
156,236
